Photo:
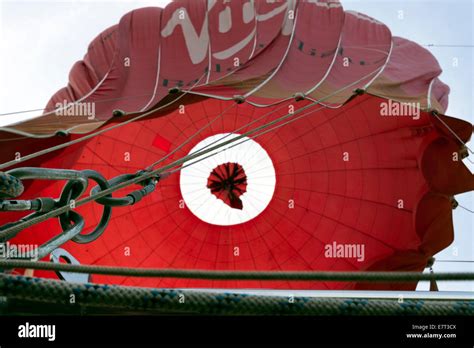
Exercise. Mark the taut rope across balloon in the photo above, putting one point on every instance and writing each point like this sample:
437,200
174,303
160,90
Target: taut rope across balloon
103,195
377,277
72,223
93,134
10,230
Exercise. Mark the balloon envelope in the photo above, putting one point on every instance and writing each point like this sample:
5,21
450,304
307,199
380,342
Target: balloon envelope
356,181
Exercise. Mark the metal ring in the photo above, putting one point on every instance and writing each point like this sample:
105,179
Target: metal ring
130,198
26,173
72,190
66,235
106,213
111,201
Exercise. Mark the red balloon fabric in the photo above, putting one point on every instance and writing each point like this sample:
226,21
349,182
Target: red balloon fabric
359,174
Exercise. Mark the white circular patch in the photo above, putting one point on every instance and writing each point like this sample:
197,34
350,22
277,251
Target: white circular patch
258,168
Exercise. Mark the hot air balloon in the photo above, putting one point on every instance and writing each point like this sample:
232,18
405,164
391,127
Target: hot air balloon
330,147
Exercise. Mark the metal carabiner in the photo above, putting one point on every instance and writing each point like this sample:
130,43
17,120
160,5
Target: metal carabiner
133,197
70,194
26,173
67,235
71,222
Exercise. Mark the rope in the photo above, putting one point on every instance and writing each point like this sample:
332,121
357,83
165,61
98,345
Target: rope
91,135
220,139
467,209
237,275
200,302
151,166
12,231
452,132
74,102
245,140
241,142
10,186
57,147
250,137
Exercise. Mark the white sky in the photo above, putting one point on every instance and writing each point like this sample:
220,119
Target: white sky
41,40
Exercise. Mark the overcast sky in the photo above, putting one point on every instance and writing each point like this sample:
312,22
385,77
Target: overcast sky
41,40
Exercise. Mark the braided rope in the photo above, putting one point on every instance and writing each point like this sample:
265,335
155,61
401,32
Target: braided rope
237,275
10,186
187,301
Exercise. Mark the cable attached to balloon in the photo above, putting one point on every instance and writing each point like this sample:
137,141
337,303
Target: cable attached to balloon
92,135
99,195
11,230
434,113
